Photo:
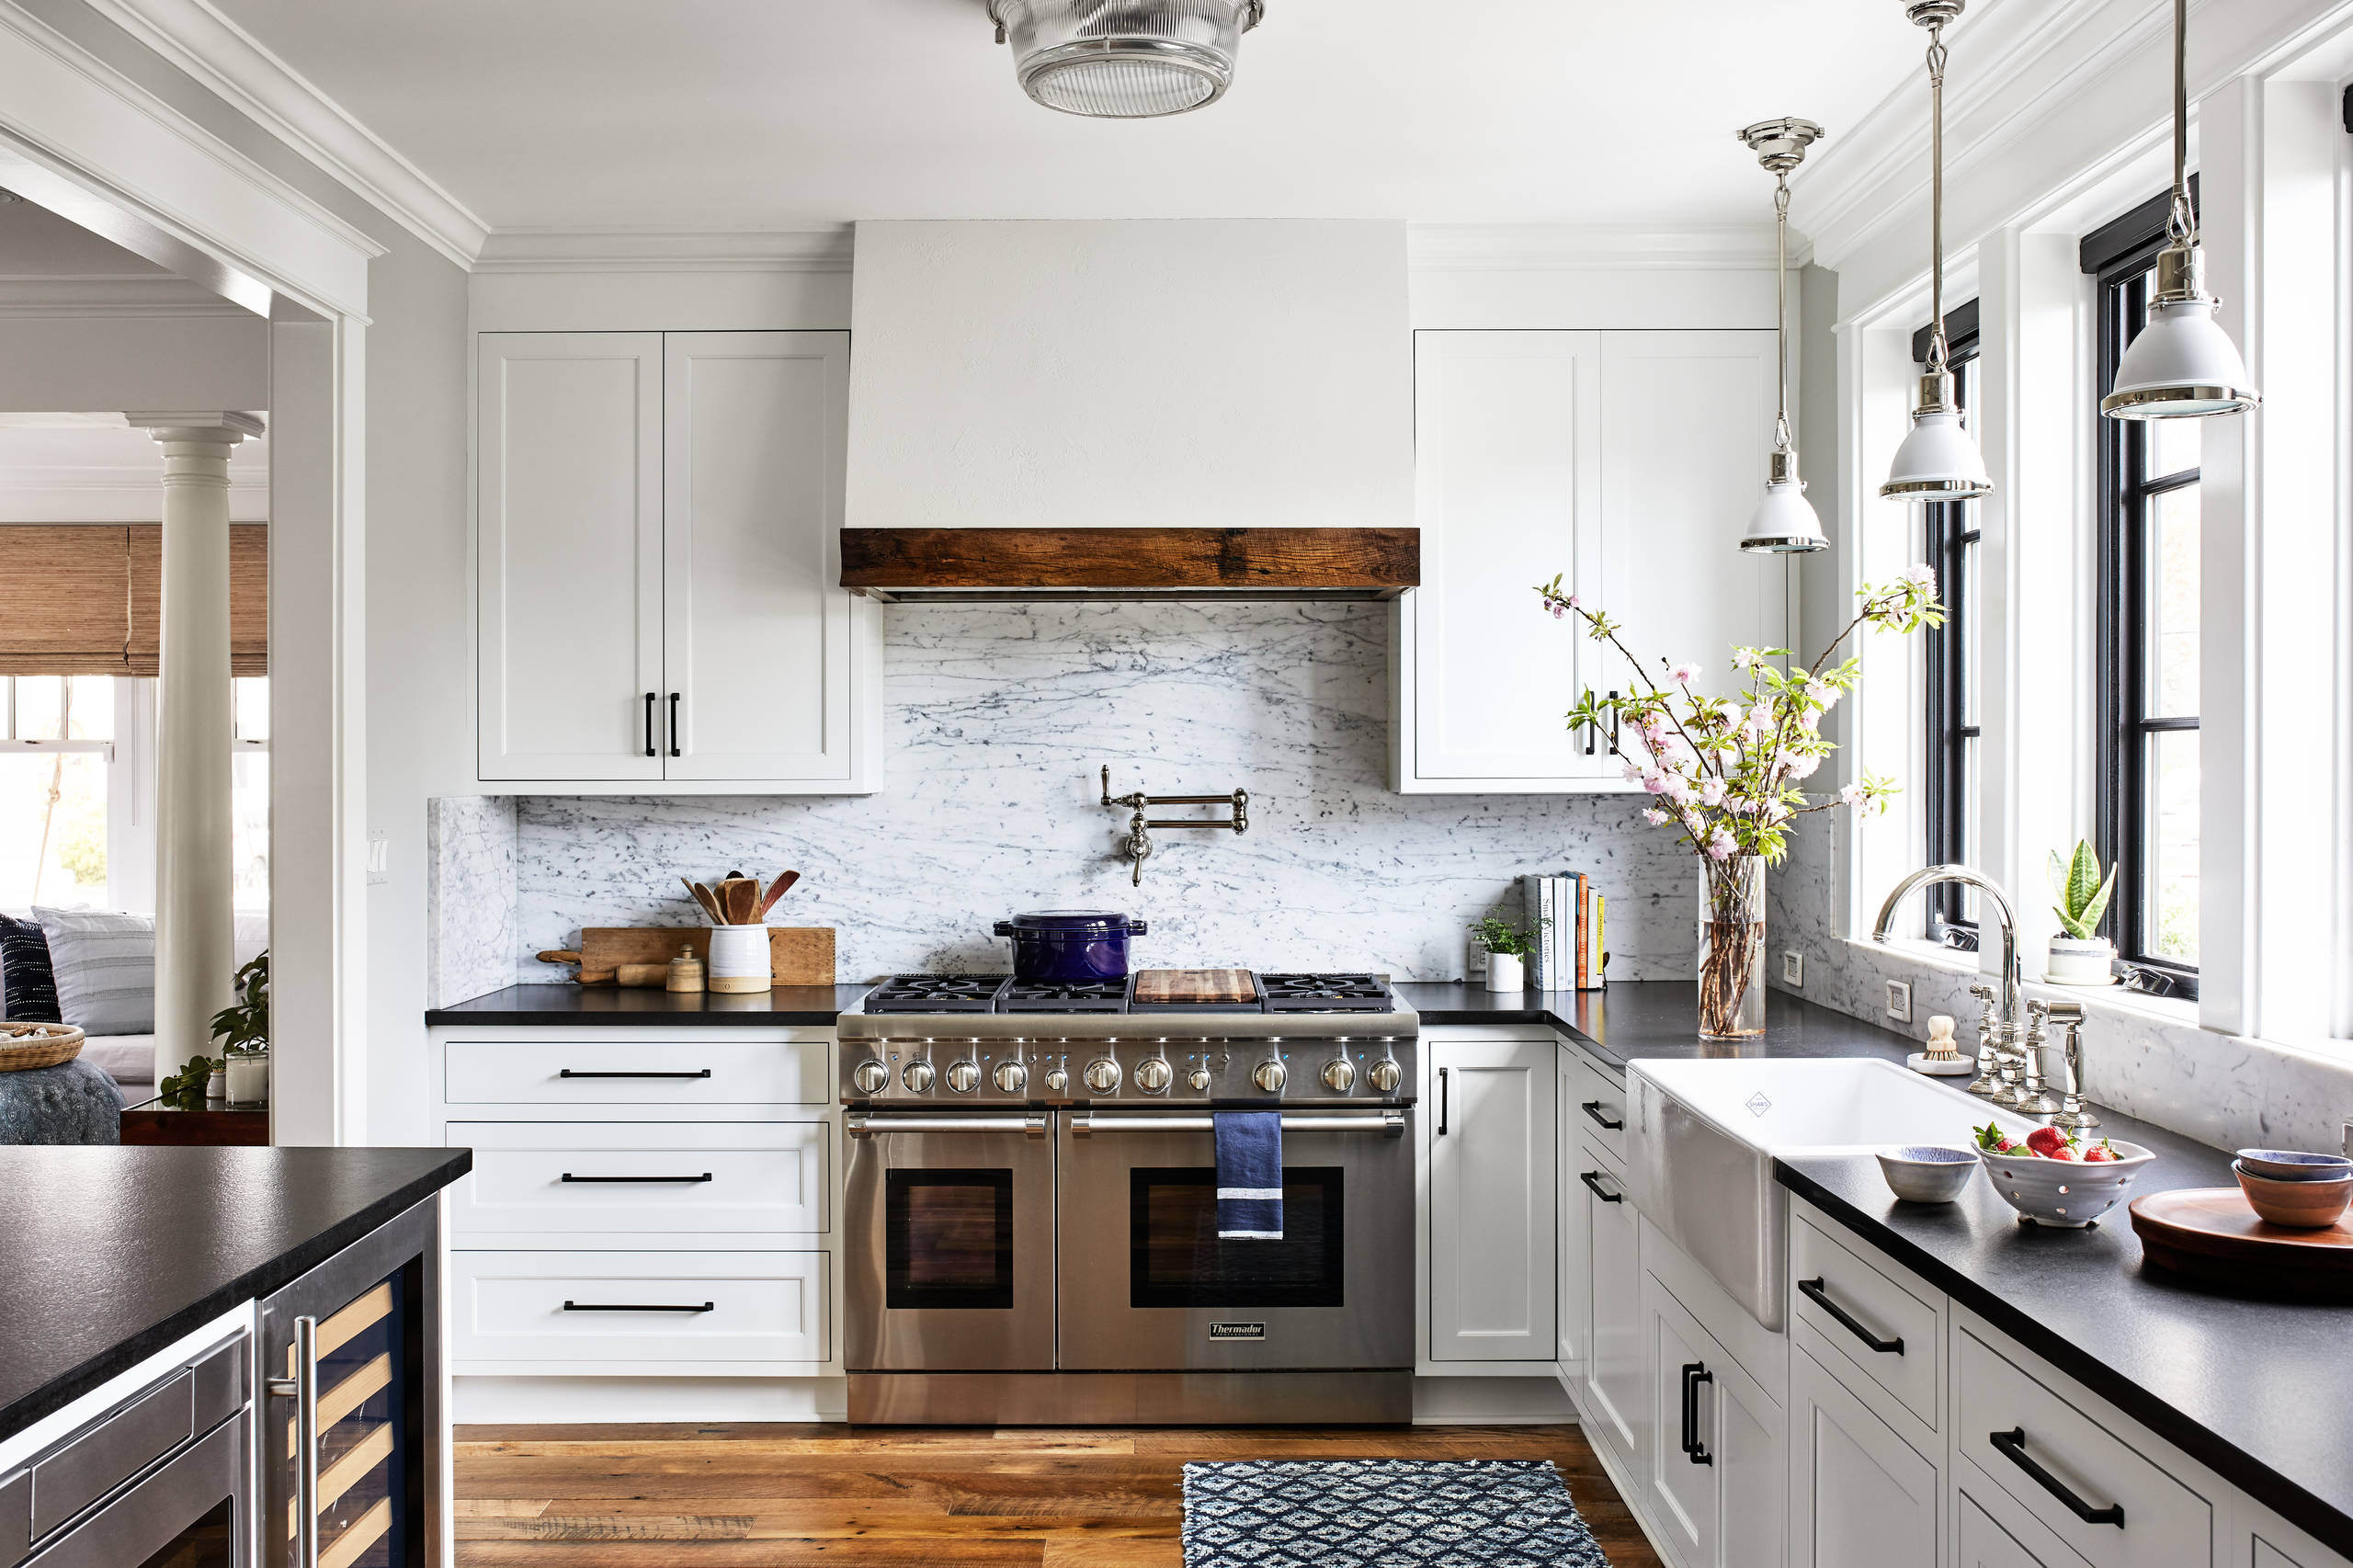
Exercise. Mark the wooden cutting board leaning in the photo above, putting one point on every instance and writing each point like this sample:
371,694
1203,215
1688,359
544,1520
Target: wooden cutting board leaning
800,955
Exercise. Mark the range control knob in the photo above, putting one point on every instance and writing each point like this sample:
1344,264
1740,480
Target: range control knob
963,1076
1269,1076
1340,1076
1011,1077
1387,1074
871,1077
1056,1079
1102,1074
1199,1078
917,1077
1153,1075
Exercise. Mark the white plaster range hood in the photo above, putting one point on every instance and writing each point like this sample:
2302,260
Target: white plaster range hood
1205,383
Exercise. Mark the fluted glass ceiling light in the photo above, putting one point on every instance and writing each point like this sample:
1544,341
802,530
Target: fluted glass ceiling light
1784,523
2183,364
1124,59
1938,460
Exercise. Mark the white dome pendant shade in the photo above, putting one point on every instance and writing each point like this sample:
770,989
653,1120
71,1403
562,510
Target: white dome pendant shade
1784,522
1124,59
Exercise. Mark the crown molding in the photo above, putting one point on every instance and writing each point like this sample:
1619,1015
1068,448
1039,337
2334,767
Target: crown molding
111,494
139,294
1547,247
816,248
239,69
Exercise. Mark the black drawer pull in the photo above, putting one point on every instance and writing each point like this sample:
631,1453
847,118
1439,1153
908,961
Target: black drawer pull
1593,1110
650,750
684,1180
1694,1374
628,1307
2013,1446
568,1072
1592,1181
673,726
1812,1292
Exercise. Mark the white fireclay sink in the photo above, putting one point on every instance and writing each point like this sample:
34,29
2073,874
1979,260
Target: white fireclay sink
1702,1137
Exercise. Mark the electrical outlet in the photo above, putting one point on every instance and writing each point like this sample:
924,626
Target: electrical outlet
1794,971
1899,1001
1475,968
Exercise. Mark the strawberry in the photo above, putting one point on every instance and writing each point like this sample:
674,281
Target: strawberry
2063,1153
1992,1140
2051,1143
2105,1153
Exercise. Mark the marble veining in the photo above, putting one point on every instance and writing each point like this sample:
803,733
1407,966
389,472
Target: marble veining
1000,717
469,896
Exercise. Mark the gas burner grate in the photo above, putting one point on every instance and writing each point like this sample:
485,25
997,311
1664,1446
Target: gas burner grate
1326,993
1064,996
937,994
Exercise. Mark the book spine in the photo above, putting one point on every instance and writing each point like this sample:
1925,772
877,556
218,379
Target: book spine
1600,947
1564,965
1531,893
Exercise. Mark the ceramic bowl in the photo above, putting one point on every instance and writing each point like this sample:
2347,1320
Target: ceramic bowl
1928,1173
2290,1165
2066,1193
2300,1205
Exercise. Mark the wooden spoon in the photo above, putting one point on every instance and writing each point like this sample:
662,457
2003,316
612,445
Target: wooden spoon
776,891
740,899
703,897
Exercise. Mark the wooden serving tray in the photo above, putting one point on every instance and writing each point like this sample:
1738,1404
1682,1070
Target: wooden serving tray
1179,986
2210,1232
800,955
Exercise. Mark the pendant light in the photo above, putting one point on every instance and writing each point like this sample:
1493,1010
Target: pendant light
2183,364
1938,460
1124,59
1784,522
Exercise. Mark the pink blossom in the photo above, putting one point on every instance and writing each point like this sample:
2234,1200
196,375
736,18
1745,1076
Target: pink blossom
1558,612
1809,722
1712,791
1633,772
1852,795
1575,603
1800,765
1654,781
1744,658
1678,789
1653,816
1721,844
1924,574
1684,674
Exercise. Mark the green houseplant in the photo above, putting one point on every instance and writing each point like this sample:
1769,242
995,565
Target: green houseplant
2079,955
242,1029
1508,947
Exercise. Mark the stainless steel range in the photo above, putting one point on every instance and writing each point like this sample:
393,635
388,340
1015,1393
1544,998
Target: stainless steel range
1032,1216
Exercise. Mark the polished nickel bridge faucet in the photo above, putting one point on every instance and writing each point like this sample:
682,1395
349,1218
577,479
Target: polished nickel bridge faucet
1137,845
2010,1024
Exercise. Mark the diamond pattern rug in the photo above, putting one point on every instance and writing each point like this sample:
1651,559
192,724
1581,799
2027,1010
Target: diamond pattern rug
1383,1514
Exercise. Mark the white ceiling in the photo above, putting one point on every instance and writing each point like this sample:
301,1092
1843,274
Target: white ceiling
754,114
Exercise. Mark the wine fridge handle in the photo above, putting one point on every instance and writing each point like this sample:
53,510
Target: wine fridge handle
302,1388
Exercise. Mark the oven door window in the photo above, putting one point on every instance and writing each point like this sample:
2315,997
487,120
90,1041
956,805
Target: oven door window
1174,1258
211,1542
947,1237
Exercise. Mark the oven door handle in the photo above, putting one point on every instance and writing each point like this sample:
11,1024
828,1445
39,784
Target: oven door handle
1084,1124
860,1125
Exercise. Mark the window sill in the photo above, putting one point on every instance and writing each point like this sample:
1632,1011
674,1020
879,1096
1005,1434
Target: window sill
2115,1000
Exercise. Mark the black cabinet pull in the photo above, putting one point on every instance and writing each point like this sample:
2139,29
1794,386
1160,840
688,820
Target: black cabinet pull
650,750
1694,1374
2013,1446
1442,1102
1592,1181
635,1307
568,1072
1811,1289
673,726
1593,1110
685,1180
1613,725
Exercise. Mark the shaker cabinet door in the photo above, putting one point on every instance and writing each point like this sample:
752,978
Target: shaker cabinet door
568,555
1859,1494
1489,1116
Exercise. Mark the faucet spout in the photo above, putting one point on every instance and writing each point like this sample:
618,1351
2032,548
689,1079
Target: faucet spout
2013,977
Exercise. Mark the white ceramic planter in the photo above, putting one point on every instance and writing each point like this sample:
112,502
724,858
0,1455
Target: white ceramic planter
1507,972
2075,962
739,959
248,1079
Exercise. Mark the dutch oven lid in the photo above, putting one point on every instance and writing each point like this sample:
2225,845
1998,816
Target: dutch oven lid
1071,923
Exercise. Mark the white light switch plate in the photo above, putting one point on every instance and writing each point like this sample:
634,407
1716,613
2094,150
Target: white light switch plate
1793,970
380,858
1899,1001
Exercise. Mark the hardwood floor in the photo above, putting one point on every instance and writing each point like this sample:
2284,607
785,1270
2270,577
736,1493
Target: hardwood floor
903,1497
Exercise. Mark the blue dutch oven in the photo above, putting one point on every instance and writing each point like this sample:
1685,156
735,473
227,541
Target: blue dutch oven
1072,945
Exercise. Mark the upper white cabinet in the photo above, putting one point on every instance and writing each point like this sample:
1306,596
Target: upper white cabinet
658,526
1628,464
1488,1107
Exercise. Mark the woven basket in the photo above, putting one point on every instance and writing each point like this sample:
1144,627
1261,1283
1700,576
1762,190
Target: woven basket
24,1046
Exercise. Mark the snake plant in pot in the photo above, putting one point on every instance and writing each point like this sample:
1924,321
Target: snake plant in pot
2079,955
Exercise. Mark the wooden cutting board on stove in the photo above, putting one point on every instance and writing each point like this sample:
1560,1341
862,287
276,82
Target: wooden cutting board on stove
1195,985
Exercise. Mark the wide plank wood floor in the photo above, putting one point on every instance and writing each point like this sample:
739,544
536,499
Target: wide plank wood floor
908,1497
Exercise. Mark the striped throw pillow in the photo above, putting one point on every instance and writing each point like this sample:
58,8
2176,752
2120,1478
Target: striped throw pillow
105,965
28,990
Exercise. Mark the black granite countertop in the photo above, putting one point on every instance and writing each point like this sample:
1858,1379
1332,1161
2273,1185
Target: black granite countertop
109,1255
1654,1018
572,1003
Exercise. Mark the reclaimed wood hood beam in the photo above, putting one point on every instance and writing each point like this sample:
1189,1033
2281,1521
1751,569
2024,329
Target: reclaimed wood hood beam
952,565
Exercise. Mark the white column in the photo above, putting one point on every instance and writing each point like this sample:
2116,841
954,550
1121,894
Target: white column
195,935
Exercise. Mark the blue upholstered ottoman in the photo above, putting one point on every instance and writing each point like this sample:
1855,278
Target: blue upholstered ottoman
73,1102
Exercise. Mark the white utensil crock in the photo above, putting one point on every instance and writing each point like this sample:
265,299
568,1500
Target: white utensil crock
739,958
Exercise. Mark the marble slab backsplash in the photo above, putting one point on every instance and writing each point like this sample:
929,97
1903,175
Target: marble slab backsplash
1000,718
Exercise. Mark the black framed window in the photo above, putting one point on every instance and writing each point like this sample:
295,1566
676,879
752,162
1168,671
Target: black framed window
1951,796
2147,700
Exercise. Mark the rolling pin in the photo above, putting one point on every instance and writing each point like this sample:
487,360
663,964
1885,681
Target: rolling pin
590,976
642,975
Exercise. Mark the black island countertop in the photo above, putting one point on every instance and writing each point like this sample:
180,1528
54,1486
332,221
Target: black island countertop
109,1255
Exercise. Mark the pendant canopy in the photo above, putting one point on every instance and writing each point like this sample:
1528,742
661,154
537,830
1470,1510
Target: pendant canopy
1784,522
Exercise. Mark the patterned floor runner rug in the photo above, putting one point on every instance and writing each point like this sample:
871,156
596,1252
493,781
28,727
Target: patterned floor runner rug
1383,1514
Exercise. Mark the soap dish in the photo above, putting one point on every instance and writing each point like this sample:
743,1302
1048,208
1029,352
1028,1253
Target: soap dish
1941,1067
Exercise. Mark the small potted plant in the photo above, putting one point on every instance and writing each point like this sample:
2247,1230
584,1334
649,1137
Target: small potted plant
243,1031
2080,956
1508,949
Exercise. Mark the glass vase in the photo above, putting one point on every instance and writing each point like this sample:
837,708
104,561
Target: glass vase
1732,948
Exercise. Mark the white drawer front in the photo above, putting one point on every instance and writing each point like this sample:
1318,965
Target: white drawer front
1596,1101
2166,1525
617,1071
604,1177
1887,1313
553,1306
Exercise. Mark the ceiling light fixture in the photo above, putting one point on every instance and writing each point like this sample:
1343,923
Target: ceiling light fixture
1785,522
1938,460
1124,59
2183,364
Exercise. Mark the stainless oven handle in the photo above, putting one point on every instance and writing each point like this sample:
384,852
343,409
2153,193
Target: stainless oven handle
1084,1124
303,1389
863,1126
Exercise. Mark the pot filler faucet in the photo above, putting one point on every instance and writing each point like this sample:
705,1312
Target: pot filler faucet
2013,1014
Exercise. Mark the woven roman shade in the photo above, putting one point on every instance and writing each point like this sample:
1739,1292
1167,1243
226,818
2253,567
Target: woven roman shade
85,599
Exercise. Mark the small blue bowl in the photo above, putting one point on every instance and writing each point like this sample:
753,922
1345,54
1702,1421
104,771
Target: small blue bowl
2292,1164
1928,1173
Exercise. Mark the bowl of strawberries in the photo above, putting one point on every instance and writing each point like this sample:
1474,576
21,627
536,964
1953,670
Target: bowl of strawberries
2053,1177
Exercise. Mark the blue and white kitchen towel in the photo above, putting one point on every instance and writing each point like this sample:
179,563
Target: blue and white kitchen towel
1249,1176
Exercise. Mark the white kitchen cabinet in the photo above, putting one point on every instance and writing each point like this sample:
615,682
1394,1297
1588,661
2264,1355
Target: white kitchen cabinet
1627,462
1489,1116
658,538
1860,1496
1616,1382
1572,1280
1718,1488
1987,1542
